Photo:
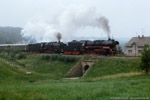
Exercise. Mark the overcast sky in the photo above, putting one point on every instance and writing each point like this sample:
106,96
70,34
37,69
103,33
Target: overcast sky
126,17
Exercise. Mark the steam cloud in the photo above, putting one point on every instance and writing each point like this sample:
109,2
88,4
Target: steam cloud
67,21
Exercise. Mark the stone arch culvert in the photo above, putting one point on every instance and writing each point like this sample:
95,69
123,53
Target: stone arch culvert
81,68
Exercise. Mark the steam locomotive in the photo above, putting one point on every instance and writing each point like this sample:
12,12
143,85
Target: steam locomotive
97,47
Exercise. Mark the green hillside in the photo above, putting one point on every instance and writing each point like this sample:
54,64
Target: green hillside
111,66
54,66
12,74
47,79
40,65
103,89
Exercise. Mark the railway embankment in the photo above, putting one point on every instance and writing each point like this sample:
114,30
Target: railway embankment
58,66
106,76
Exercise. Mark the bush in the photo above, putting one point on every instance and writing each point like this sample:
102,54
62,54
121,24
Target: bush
21,56
59,58
45,57
54,57
145,58
70,59
13,55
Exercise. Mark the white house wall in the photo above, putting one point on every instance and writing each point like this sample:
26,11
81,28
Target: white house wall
135,51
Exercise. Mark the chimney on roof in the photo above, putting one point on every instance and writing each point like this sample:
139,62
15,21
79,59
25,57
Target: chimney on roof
140,37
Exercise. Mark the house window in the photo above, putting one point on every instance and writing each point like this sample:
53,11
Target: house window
129,51
139,51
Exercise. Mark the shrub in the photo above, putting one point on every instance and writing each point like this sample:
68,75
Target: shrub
145,58
59,58
13,55
13,52
70,59
22,56
45,57
54,57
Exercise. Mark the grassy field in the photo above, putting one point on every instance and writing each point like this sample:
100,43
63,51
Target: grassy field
103,89
108,79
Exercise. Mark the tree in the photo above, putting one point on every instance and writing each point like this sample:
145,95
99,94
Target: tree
145,58
120,51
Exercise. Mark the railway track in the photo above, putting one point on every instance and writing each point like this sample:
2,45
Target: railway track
99,56
95,56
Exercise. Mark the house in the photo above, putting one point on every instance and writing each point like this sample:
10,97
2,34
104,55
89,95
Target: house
136,44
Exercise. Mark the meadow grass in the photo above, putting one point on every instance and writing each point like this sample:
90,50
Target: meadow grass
103,89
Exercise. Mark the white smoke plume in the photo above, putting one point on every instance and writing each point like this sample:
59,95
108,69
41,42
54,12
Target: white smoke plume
66,21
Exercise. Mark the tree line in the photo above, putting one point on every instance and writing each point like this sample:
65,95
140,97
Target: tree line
10,35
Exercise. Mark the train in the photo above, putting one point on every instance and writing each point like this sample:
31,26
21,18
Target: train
75,47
